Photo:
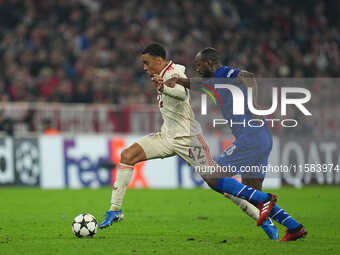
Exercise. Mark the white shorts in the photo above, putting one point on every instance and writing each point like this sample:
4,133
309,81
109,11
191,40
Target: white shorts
191,149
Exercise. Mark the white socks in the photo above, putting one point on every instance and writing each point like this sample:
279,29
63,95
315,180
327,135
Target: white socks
247,207
123,177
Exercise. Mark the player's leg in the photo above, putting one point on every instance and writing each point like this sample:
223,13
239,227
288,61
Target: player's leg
235,156
248,152
148,147
128,158
255,180
252,211
266,203
195,151
244,205
239,155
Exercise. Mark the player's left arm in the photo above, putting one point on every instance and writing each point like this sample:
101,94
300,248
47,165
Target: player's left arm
248,79
175,90
183,81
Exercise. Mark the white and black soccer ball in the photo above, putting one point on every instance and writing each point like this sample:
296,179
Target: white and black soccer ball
84,225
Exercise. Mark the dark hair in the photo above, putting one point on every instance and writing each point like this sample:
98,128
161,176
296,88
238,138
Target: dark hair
155,50
210,54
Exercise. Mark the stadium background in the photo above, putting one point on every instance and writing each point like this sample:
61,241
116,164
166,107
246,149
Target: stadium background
73,94
72,68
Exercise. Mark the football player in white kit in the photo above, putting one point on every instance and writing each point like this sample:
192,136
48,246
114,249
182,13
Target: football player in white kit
180,133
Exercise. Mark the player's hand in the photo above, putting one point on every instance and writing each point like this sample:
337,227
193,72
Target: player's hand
171,82
158,80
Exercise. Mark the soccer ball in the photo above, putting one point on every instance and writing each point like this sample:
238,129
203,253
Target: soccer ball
84,225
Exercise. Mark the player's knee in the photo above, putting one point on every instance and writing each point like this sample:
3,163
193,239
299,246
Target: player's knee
132,155
126,157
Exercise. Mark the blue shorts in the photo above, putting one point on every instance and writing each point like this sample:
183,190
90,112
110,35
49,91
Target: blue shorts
248,154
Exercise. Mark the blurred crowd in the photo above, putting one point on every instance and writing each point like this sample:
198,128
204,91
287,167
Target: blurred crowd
87,51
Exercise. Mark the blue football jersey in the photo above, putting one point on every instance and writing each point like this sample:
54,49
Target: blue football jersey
238,127
252,145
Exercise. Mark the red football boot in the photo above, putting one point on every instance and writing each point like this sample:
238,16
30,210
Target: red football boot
293,235
265,208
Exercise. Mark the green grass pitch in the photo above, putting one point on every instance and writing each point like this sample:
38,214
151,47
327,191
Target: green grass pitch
199,221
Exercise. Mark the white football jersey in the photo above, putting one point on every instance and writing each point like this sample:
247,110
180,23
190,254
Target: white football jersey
174,103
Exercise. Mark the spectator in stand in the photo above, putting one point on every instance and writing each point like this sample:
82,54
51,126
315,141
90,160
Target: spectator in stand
6,124
48,128
85,51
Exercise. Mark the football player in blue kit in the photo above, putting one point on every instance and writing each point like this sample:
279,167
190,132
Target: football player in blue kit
251,147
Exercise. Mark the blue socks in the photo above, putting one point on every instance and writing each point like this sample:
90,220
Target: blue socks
283,218
231,186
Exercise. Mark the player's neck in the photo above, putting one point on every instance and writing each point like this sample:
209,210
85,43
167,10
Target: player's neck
215,68
163,65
